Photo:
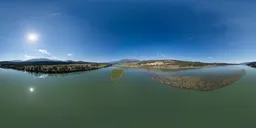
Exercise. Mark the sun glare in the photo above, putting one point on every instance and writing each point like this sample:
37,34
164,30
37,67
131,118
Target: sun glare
32,37
31,89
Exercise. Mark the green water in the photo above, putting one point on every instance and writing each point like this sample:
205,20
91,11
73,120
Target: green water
91,100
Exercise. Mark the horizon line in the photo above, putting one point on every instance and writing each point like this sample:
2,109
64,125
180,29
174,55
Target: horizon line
124,59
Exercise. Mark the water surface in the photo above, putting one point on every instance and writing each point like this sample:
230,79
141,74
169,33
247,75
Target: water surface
91,99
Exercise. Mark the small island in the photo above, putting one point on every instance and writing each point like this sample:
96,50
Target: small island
51,67
169,64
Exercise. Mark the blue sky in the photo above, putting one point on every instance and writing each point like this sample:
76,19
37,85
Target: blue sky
212,31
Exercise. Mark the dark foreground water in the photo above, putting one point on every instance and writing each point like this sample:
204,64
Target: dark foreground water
92,100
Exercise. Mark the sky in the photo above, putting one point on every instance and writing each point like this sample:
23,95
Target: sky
107,30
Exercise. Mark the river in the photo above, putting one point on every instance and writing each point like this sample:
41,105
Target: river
90,99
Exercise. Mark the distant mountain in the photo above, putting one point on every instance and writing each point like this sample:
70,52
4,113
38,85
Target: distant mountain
44,61
39,60
16,60
124,61
32,60
78,62
245,63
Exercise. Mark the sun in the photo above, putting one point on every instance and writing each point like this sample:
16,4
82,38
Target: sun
32,37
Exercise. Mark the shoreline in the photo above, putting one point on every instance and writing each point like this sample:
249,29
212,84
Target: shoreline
173,68
63,71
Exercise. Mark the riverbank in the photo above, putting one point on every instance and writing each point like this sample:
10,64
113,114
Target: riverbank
164,67
169,64
53,69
